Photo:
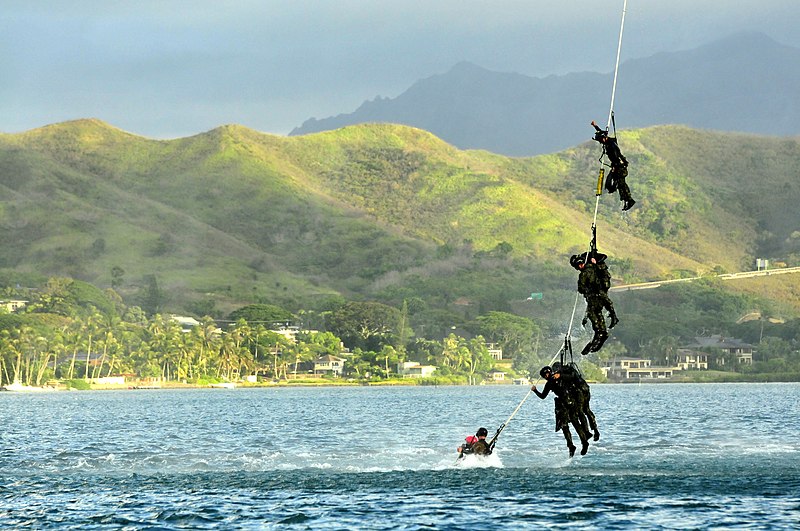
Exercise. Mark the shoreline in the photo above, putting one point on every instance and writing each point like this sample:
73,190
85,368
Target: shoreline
394,383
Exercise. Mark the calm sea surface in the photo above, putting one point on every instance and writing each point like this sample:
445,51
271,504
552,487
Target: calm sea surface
670,456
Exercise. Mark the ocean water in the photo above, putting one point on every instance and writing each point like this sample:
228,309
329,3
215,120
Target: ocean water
670,456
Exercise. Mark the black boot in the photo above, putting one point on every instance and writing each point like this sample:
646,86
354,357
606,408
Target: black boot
597,342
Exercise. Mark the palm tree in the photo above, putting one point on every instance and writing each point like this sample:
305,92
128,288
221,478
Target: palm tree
228,354
455,353
92,327
204,342
9,347
234,346
256,334
479,359
108,328
129,340
72,340
43,359
23,340
165,340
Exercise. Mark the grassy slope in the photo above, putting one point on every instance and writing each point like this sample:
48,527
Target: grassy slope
448,196
749,189
233,214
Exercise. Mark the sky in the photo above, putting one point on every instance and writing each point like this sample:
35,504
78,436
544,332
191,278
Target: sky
175,68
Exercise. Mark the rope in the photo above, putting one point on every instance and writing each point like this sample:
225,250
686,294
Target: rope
568,335
503,425
608,125
616,65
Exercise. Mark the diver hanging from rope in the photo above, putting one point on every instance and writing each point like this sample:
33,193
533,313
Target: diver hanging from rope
594,280
573,380
619,165
569,403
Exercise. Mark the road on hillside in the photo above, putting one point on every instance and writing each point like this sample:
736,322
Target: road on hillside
726,276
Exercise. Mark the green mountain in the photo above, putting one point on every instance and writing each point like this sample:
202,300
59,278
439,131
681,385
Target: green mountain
232,216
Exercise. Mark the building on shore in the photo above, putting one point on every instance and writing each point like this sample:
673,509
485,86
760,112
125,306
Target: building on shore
412,369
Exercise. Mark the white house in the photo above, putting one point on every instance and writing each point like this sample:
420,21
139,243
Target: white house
412,369
494,351
625,368
741,351
13,305
288,331
497,376
329,365
689,359
186,322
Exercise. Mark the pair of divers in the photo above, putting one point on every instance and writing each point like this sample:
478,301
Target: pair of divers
572,396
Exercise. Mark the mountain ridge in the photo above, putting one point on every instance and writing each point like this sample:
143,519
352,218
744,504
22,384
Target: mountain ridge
518,115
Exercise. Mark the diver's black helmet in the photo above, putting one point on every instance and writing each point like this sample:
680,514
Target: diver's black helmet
557,366
600,135
482,432
546,369
576,261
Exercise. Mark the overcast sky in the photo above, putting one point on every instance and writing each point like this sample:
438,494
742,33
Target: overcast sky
174,68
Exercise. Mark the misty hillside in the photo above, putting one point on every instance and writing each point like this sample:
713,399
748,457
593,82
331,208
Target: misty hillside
379,211
746,83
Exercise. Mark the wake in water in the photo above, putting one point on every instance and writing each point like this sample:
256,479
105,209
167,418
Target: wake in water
479,461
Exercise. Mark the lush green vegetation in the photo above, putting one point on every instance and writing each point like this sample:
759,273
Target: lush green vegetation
392,219
205,224
73,332
63,334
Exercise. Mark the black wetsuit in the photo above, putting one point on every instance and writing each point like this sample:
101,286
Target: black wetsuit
619,167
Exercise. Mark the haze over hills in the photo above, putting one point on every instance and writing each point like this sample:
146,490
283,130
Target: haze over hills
746,83
379,211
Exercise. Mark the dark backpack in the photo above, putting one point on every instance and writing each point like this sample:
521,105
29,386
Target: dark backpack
481,448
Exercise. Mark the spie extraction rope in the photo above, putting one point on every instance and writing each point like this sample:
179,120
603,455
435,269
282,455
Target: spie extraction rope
608,125
594,224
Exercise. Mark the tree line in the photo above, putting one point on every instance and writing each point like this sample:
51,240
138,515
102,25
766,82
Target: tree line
70,330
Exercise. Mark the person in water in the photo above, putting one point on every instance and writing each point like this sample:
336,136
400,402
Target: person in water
566,409
619,167
476,444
